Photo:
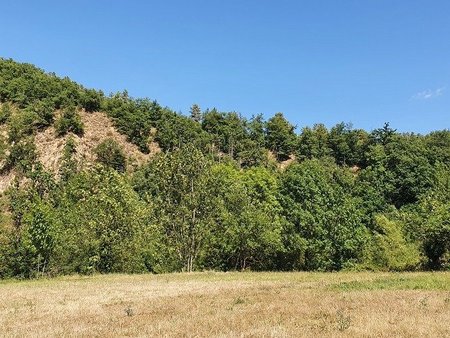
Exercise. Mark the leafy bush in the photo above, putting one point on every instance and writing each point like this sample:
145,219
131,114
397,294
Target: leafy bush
44,111
317,201
68,166
389,249
22,155
110,154
91,100
69,121
23,123
103,230
39,223
5,112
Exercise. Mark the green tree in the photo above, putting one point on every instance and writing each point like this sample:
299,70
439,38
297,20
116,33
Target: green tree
104,224
247,233
22,156
69,121
110,154
317,201
313,142
389,248
91,100
184,205
280,136
196,113
22,124
428,220
40,224
5,112
383,135
68,165
44,112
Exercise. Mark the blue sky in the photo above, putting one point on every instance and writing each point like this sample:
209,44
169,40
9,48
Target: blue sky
364,62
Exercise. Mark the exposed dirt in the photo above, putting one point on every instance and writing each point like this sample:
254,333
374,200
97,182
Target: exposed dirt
97,128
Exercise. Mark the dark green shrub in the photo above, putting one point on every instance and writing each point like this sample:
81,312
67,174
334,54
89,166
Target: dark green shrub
69,121
69,165
5,113
22,155
110,154
91,100
22,124
44,111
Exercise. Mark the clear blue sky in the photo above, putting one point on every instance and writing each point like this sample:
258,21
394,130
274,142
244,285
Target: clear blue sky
364,62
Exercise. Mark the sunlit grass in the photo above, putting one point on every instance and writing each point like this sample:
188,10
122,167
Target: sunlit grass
233,304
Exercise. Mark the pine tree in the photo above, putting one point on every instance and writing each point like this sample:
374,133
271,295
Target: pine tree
196,113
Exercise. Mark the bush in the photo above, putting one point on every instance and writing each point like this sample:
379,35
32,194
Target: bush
103,231
389,248
21,124
69,165
69,121
44,111
5,113
91,100
110,154
22,155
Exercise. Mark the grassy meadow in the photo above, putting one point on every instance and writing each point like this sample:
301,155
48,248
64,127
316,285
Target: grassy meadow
229,305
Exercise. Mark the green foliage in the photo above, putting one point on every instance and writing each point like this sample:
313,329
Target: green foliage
175,131
24,85
134,118
5,112
196,113
317,201
248,231
412,172
184,204
280,137
252,151
313,143
428,220
438,145
383,135
40,225
44,112
103,225
389,249
22,124
22,156
213,198
3,149
110,154
91,100
347,144
30,236
69,121
229,133
68,166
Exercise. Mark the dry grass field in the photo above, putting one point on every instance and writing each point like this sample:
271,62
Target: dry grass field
229,305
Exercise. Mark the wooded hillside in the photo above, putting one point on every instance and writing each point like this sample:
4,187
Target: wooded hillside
110,183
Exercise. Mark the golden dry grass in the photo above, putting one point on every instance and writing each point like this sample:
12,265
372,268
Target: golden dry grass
229,305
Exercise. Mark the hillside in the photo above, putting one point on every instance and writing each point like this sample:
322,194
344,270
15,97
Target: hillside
110,183
98,127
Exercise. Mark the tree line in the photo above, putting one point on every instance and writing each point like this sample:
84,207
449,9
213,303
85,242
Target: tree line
221,195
